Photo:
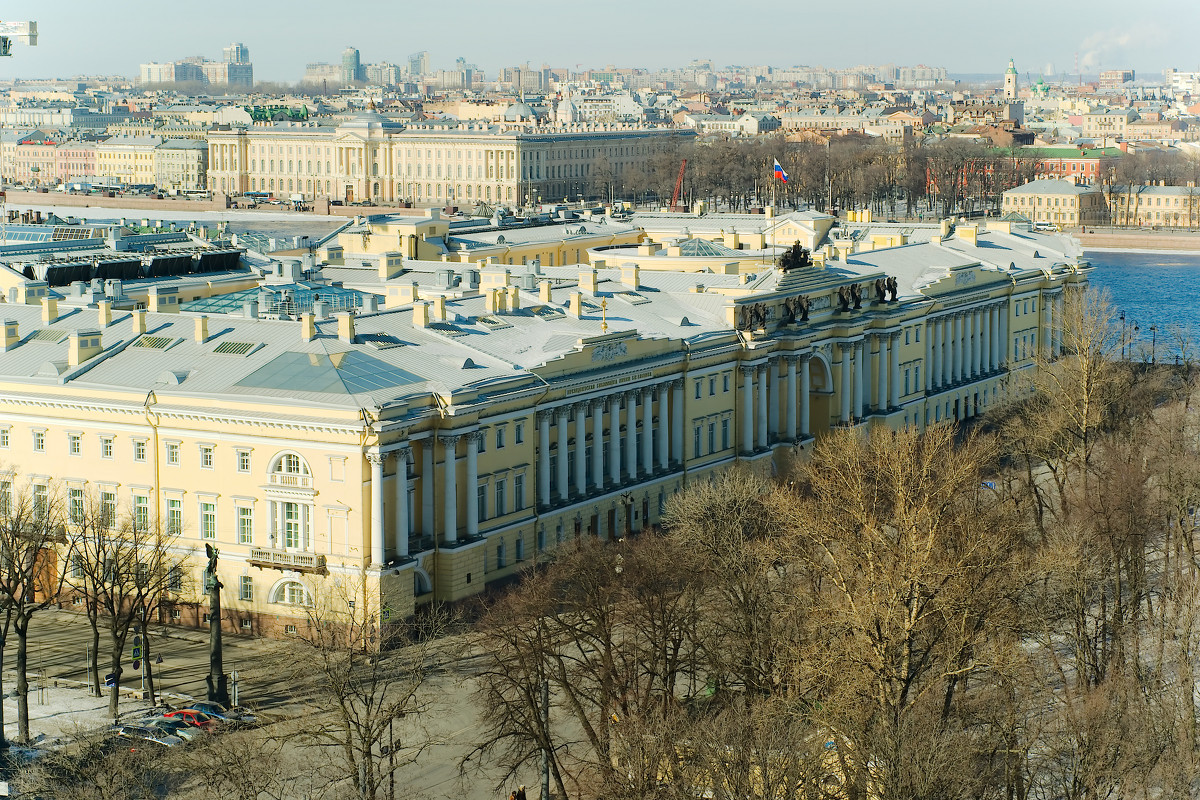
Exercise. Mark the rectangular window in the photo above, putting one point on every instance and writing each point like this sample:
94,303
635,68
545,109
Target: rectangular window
41,500
245,525
108,509
917,377
519,493
481,500
724,434
174,517
173,453
712,437
501,505
141,512
6,498
696,442
712,386
106,447
206,456
243,460
917,334
499,437
907,386
697,390
77,566
906,335
725,382
175,580
39,441
519,433
74,444
75,505
208,520
246,588
291,525
139,450
4,437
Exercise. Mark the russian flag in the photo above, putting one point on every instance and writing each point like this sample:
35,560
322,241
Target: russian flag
779,173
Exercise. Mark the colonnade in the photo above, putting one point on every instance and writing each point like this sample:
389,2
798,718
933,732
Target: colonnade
961,346
377,459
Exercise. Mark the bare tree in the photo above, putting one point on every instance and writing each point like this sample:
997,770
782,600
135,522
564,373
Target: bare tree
32,551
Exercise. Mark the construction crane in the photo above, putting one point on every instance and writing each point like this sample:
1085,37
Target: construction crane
25,32
678,185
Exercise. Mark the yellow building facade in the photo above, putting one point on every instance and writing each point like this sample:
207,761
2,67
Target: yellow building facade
444,443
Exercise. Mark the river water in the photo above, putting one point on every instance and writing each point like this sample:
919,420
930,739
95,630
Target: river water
1159,289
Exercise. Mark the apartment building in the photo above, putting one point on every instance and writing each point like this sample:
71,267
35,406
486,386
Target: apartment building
1058,202
492,413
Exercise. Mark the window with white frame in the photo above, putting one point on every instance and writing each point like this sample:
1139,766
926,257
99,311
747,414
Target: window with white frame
106,447
4,432
208,520
173,453
245,525
246,588
108,508
243,460
39,441
174,517
292,593
501,505
518,433
74,444
206,456
41,500
75,504
141,512
500,437
139,449
518,493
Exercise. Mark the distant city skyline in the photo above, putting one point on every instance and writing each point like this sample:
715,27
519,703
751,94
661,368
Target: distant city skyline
80,37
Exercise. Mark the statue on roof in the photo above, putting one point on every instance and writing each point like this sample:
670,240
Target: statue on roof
880,290
893,286
856,294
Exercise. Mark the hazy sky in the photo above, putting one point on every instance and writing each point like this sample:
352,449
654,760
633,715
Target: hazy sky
96,37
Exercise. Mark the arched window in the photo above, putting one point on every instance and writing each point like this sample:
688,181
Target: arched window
290,464
292,593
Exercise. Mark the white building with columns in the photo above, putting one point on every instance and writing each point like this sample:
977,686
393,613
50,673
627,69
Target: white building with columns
473,417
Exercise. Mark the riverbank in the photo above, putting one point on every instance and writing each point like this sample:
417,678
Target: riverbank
1139,241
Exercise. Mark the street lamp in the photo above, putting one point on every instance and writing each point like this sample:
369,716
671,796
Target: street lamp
1153,341
1122,336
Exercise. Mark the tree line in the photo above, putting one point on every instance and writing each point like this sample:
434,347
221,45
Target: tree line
1004,612
935,178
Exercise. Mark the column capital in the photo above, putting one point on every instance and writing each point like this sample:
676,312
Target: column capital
402,453
894,336
475,438
803,358
581,406
562,412
631,395
648,392
376,458
449,439
677,384
747,370
545,414
597,404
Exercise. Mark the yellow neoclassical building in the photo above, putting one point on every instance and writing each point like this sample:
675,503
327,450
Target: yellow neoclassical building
370,157
482,414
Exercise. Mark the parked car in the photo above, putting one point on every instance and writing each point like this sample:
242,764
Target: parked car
232,716
173,727
149,734
193,717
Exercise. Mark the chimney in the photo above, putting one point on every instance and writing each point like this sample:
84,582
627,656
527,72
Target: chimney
49,310
544,294
139,321
492,302
12,334
250,309
345,322
576,306
82,345
514,298
439,308
370,304
320,310
589,281
945,227
202,329
630,275
969,233
420,314
104,308
308,327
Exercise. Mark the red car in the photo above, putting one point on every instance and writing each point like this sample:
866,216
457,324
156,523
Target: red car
193,717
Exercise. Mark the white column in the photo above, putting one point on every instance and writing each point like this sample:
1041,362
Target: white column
956,372
402,531
805,388
894,373
543,471
598,443
747,409
614,439
1046,335
791,398
978,352
935,368
427,461
1005,347
631,436
859,373
1059,316
377,552
881,365
647,399
581,449
564,455
677,421
450,490
968,344
762,407
663,432
772,387
472,488
927,364
994,337
847,349
947,350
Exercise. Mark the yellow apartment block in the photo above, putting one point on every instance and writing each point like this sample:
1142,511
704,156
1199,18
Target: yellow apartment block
482,420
